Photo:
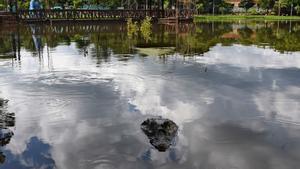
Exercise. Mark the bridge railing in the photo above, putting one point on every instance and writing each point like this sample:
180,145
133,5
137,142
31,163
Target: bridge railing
70,14
183,13
87,14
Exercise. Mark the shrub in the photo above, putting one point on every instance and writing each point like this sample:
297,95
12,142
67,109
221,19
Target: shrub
132,28
297,9
253,11
146,28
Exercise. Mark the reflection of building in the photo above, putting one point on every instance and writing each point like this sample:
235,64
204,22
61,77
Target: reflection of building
6,120
231,35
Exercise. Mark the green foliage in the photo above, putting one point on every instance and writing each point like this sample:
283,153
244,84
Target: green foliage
253,11
198,38
246,4
206,6
231,18
200,8
3,4
298,9
146,28
132,28
293,4
23,4
279,5
77,3
266,4
225,7
166,4
5,45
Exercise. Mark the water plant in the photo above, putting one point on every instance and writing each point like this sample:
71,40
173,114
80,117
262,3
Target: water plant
132,28
146,28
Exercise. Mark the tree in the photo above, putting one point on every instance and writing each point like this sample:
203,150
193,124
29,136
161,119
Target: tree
297,9
280,4
266,4
199,7
225,7
209,6
292,3
246,4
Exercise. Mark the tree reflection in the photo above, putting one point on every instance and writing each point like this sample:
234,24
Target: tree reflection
187,39
7,120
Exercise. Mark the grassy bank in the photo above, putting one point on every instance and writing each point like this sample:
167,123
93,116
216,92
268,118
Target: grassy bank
201,18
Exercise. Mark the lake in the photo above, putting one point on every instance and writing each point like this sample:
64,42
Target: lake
210,95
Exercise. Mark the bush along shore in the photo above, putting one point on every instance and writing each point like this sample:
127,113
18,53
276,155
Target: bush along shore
201,18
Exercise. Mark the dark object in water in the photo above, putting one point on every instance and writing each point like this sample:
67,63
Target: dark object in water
5,136
3,102
7,120
160,132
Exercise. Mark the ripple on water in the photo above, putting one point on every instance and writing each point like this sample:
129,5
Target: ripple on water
101,162
65,77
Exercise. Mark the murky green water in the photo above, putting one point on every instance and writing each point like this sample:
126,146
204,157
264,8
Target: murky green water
78,94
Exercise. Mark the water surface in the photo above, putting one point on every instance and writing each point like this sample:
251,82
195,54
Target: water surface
81,92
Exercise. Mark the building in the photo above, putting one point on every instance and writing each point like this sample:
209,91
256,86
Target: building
234,2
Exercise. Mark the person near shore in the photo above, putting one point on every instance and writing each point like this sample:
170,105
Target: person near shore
34,5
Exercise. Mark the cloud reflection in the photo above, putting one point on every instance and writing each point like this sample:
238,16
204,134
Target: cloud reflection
228,118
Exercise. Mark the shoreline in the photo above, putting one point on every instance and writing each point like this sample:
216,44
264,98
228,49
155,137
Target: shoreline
201,18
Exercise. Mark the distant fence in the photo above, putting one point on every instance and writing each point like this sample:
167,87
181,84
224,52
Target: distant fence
73,15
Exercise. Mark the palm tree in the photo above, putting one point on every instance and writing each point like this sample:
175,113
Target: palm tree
292,6
280,3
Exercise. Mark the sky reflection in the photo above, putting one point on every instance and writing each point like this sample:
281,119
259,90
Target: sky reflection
235,106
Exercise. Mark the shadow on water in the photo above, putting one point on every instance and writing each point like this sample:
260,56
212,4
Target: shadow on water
161,132
7,120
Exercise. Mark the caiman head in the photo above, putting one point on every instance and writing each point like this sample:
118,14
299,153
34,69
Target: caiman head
160,132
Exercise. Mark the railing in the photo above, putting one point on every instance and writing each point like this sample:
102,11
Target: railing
7,18
184,13
41,15
87,14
